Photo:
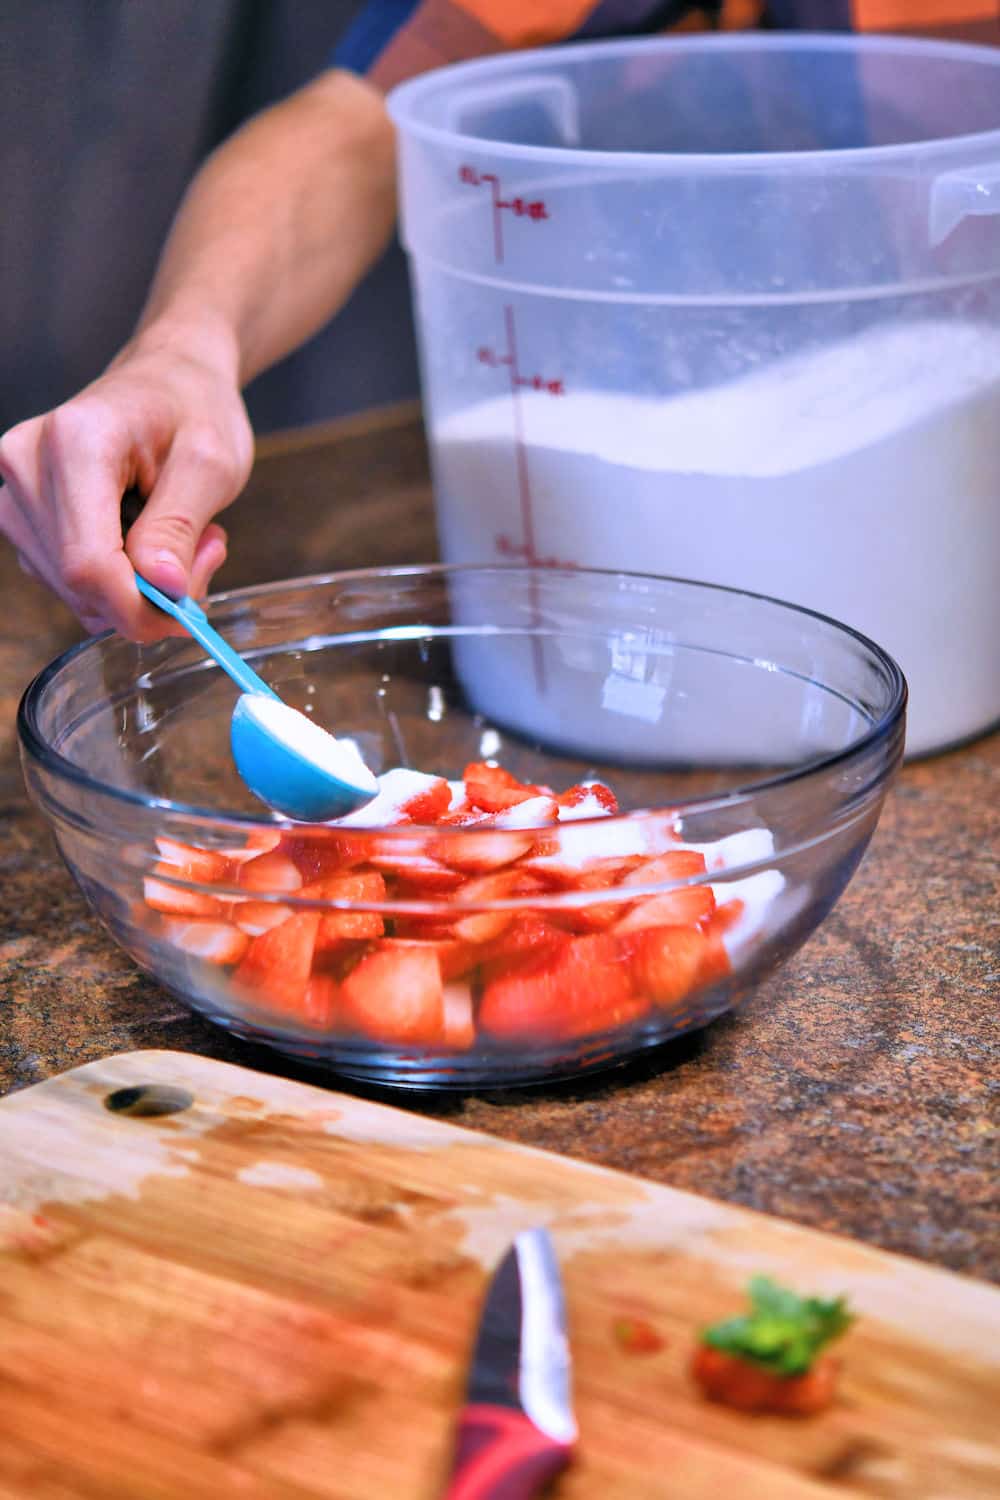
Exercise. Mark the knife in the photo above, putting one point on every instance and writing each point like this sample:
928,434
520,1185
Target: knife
516,1430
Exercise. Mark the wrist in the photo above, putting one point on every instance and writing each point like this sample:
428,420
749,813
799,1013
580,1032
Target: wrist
192,333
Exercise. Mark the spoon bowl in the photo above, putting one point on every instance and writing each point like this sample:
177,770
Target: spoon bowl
288,761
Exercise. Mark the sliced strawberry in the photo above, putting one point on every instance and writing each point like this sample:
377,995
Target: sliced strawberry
455,959
279,962
581,988
677,864
215,942
597,915
365,886
716,963
203,866
459,1017
395,994
502,885
533,812
748,1386
685,907
429,803
466,816
592,791
320,1003
317,855
494,789
255,917
475,852
728,914
664,962
274,874
413,927
561,873
530,935
418,876
174,900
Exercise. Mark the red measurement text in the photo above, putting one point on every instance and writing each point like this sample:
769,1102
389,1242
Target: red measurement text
521,208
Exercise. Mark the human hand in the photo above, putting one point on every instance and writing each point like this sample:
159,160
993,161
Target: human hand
167,419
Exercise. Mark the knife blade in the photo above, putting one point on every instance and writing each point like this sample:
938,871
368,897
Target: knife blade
516,1430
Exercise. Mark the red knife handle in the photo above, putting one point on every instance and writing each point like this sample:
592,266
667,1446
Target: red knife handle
501,1455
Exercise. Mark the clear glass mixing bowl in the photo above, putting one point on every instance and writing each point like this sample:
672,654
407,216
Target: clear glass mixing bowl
749,745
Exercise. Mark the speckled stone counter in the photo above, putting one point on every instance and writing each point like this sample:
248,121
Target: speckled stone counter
857,1092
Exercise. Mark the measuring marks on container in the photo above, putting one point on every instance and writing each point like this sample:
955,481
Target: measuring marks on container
522,208
534,210
507,358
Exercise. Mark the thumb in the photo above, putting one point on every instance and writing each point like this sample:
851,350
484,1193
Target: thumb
170,531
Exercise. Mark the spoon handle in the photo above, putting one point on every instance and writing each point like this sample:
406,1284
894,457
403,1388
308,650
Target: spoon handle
191,615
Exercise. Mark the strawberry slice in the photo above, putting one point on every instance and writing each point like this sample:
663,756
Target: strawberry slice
336,926
593,795
600,914
664,962
582,988
395,994
716,963
493,789
678,864
203,866
255,917
459,1017
279,963
429,803
260,841
454,959
728,914
476,853
215,942
320,1003
274,874
686,907
317,855
503,885
530,935
532,812
418,875
174,900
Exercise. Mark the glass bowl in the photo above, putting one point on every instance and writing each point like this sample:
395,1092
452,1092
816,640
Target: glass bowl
745,745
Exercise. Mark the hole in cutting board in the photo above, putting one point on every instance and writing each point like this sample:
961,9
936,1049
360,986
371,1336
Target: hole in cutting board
148,1099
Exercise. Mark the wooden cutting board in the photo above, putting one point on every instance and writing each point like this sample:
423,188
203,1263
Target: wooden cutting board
272,1291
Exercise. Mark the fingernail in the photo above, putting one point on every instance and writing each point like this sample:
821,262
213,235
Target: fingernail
169,570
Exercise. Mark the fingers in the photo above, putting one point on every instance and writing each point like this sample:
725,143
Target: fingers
171,425
83,454
173,542
209,556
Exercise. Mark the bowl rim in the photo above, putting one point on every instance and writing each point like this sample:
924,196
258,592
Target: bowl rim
51,760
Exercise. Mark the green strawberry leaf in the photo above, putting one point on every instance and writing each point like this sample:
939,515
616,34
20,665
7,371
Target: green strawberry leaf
782,1331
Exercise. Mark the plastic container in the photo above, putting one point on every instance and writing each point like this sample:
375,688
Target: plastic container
725,308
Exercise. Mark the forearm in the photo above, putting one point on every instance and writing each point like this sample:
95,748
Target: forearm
277,228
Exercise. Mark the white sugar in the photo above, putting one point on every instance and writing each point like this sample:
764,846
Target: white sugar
861,479
396,788
339,758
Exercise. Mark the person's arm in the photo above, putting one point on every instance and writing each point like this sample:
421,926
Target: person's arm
274,233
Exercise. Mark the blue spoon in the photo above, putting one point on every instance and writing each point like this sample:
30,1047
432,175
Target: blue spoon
285,759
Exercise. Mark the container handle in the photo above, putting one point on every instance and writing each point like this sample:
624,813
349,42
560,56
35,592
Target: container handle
553,92
968,192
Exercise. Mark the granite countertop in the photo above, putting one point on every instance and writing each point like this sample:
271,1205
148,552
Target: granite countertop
853,1093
